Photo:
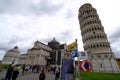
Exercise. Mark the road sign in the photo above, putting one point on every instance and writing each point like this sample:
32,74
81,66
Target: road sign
85,65
74,53
67,70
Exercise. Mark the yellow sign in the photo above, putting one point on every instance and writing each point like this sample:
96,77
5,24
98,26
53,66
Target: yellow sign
72,46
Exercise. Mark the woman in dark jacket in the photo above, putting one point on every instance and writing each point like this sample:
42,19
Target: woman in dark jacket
15,74
42,75
9,72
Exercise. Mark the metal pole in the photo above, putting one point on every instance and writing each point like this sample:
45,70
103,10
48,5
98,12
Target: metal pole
78,68
56,63
56,56
78,61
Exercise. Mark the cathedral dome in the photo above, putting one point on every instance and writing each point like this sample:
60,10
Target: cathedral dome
11,56
13,52
54,41
54,44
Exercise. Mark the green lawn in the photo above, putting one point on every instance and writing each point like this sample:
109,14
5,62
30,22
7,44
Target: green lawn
98,76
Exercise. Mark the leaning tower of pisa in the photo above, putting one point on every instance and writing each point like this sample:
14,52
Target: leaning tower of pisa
95,40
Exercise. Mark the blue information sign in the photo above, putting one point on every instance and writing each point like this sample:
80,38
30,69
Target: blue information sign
67,70
74,53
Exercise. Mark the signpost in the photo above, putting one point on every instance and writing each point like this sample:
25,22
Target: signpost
83,65
73,47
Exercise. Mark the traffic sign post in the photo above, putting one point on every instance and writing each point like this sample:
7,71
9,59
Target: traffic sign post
85,65
74,53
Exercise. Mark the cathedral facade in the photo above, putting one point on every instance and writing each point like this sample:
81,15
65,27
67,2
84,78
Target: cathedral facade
39,54
95,40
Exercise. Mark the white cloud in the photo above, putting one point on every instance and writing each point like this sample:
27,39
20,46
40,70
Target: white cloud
27,21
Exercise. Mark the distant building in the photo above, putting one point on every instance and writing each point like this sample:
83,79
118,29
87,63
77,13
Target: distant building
59,51
39,54
64,52
56,54
11,56
23,59
118,61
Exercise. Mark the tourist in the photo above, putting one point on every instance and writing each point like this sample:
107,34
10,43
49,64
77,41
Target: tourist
23,68
15,74
57,73
42,75
9,72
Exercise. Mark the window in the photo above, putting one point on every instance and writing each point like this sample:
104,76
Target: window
87,12
101,65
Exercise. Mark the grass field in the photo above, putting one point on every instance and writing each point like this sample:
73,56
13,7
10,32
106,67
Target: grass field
98,76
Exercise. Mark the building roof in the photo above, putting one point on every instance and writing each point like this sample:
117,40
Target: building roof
54,41
13,52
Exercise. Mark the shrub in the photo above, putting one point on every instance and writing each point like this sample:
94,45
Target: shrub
4,66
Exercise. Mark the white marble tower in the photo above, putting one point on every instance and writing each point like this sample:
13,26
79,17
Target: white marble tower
95,40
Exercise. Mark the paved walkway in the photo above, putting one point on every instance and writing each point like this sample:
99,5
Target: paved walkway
35,76
30,76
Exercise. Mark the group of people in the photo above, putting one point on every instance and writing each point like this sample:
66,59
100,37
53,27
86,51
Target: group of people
32,68
12,73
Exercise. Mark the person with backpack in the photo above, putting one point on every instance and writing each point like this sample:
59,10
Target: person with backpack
42,75
15,74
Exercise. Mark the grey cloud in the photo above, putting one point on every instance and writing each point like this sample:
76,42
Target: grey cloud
9,43
24,49
45,6
64,36
26,7
115,36
5,46
23,42
46,40
13,6
14,39
115,42
116,51
61,37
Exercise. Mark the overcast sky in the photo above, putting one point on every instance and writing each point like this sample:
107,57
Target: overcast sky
22,22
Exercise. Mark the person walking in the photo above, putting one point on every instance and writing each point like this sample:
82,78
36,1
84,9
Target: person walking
42,75
15,74
57,73
9,72
23,68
